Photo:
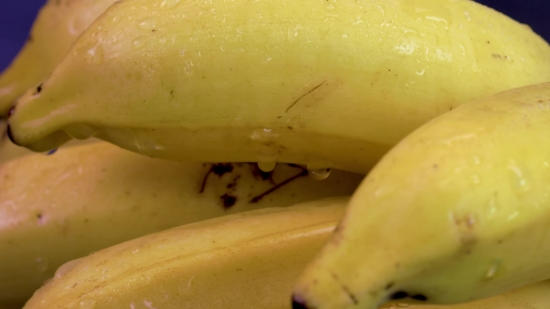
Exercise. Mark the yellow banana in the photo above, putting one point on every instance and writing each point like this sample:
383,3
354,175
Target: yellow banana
316,82
81,199
247,260
457,211
57,25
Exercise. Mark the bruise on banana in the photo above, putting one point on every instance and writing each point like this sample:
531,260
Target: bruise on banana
218,169
402,294
38,90
228,199
465,226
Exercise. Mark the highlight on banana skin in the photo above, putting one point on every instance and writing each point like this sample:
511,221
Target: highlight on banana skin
160,154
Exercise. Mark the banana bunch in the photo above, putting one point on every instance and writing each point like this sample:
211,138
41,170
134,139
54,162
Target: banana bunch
85,198
228,114
260,262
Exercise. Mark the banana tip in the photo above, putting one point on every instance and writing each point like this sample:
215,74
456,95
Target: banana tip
299,303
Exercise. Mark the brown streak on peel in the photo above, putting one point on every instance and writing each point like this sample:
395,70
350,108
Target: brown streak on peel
206,178
344,288
294,103
257,198
233,184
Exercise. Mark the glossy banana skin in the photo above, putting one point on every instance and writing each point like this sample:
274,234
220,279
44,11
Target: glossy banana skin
457,211
84,198
247,260
56,27
322,83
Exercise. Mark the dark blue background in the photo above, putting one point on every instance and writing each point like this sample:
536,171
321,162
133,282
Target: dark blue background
16,17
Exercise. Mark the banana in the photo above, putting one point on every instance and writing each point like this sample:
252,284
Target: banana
457,211
56,27
324,83
246,260
82,199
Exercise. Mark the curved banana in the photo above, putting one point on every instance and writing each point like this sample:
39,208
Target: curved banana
247,260
81,199
457,211
56,27
316,82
